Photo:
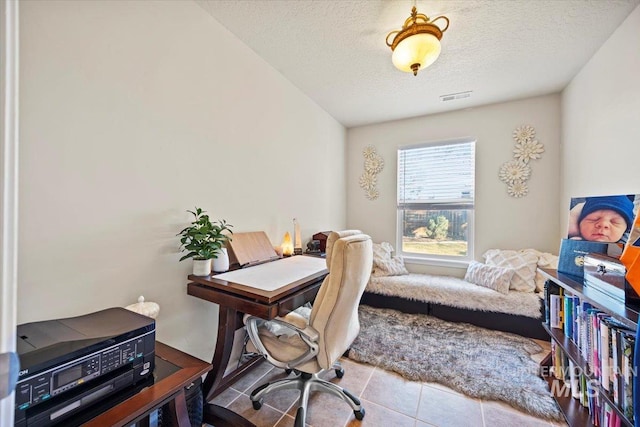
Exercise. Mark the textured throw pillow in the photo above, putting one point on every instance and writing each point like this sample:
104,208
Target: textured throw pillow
545,260
381,252
489,276
384,264
394,266
524,264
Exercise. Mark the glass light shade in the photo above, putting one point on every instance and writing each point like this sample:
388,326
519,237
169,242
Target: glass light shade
287,245
421,49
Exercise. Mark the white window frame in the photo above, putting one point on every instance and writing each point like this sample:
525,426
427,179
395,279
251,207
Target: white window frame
431,259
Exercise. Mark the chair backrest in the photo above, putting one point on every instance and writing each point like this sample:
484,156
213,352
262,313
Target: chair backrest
331,239
335,310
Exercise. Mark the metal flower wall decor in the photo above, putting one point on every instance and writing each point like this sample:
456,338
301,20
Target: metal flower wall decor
373,165
516,173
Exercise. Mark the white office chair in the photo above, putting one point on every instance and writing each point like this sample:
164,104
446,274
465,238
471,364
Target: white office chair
316,344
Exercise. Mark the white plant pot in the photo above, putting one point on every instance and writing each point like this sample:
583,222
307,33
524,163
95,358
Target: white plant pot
221,263
201,267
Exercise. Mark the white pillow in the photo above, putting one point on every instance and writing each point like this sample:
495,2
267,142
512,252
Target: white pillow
391,267
489,276
524,264
545,260
384,264
381,252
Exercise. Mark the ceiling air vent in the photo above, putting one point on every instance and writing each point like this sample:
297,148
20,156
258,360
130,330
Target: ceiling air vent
453,96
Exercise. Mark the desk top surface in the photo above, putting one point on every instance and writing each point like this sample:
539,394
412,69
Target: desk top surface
267,282
274,275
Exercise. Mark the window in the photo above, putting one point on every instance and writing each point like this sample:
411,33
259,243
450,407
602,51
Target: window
435,201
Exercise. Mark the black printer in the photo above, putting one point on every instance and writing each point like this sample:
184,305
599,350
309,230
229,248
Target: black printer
67,365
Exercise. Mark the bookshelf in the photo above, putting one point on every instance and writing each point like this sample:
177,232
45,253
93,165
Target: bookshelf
573,410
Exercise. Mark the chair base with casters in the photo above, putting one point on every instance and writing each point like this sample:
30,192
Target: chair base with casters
306,383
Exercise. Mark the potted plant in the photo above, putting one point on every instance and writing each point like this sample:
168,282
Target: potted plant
203,241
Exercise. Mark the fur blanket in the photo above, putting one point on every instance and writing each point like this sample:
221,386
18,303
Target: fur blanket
454,292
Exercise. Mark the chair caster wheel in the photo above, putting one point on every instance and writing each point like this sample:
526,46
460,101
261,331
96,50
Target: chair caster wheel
339,373
257,404
300,418
359,414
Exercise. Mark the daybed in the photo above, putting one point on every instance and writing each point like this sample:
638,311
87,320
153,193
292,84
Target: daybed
517,309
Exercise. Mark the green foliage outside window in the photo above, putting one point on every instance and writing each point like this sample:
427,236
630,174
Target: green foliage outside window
437,228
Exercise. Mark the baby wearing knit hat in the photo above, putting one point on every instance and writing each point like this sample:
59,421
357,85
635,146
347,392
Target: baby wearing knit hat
604,219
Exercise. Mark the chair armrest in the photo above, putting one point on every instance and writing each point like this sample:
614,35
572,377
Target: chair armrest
308,335
296,320
291,321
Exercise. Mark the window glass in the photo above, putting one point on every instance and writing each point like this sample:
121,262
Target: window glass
436,200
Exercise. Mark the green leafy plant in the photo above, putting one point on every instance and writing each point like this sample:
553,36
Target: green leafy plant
203,239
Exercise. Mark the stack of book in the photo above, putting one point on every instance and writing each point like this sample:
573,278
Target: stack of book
606,347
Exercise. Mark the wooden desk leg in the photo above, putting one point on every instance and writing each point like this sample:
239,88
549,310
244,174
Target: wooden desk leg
228,322
178,411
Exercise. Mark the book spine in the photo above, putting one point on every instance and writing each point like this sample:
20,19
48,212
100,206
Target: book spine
555,311
616,365
568,311
584,330
548,288
554,349
596,344
561,309
577,308
618,420
604,356
628,342
574,380
584,400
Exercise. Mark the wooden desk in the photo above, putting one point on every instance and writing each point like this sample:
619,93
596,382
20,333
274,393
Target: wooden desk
165,390
235,300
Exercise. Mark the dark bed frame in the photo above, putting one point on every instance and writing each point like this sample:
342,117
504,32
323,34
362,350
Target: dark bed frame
517,324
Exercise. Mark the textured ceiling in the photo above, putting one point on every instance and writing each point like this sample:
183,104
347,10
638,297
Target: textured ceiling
335,51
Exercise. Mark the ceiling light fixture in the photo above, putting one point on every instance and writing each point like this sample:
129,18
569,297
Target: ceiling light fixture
417,44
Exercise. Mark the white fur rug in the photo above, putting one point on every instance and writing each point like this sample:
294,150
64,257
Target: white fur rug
455,292
478,362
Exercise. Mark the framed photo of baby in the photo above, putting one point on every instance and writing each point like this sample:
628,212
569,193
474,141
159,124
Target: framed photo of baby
605,219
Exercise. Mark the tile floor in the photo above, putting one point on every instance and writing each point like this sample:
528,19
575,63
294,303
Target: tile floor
389,401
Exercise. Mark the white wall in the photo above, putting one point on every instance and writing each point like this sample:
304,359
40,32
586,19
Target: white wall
133,112
500,221
601,120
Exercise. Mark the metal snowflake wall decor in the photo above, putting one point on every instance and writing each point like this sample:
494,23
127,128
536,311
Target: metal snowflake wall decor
373,165
516,173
